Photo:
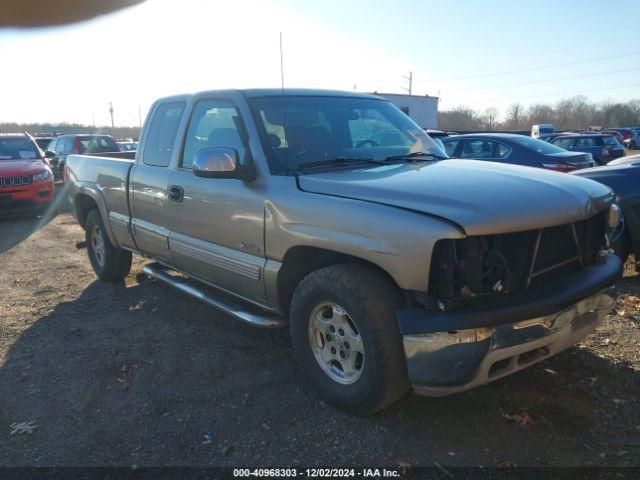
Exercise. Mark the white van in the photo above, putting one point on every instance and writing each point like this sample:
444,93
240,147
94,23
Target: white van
542,130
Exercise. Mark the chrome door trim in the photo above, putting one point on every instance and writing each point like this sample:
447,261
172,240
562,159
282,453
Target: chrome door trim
151,231
218,256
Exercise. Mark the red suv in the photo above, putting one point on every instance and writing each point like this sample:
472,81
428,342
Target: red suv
26,181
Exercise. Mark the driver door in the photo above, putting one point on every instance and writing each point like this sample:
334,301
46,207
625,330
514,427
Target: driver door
217,224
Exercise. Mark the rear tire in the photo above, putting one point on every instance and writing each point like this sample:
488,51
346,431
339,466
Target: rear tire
110,263
355,305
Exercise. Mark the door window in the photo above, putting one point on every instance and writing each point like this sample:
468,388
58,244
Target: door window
65,145
450,146
502,150
162,134
563,142
587,142
477,149
214,123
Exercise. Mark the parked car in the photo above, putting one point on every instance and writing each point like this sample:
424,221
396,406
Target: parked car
515,149
392,267
26,181
614,133
64,145
624,180
542,130
627,159
603,148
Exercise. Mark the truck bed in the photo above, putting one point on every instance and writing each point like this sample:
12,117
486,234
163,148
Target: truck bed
104,178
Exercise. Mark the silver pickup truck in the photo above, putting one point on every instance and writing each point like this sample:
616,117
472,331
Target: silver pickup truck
393,265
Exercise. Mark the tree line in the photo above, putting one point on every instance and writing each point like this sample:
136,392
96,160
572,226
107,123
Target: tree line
576,113
66,128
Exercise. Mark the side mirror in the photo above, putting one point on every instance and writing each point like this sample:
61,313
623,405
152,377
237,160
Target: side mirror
49,154
220,162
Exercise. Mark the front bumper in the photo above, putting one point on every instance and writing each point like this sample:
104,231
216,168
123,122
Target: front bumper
449,352
35,197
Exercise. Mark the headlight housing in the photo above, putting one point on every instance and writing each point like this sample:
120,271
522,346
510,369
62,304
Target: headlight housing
42,176
613,217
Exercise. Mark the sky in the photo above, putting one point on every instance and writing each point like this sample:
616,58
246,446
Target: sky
477,53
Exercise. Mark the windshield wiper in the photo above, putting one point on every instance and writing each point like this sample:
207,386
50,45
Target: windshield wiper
414,155
339,161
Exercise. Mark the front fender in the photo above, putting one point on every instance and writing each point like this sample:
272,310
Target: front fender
398,241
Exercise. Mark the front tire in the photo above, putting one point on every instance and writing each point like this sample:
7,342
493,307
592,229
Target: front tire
622,246
110,263
346,338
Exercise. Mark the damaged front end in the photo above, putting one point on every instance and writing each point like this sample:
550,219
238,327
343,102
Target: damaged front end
498,303
485,269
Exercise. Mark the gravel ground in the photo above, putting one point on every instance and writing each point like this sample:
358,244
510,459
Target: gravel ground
137,374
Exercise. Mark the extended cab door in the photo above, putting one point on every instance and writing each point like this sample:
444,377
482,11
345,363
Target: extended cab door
217,224
149,179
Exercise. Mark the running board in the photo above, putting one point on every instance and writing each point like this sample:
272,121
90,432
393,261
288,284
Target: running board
262,320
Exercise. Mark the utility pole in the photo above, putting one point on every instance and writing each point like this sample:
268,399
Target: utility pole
410,78
111,113
139,117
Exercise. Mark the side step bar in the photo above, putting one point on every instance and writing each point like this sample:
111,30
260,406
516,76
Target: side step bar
262,320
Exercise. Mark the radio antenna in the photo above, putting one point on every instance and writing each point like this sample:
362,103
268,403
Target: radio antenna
284,113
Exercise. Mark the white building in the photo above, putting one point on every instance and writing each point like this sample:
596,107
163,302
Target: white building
422,109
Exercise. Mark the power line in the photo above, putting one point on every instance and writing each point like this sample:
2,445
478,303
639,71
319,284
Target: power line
613,87
508,85
531,69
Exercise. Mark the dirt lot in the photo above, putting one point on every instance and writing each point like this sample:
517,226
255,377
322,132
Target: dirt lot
137,374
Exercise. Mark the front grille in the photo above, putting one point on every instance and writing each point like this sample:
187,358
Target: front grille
15,181
478,269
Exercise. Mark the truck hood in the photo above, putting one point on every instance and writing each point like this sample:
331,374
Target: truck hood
481,197
18,168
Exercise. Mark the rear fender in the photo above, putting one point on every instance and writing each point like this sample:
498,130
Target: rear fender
96,195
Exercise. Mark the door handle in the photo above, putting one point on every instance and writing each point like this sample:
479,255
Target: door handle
176,193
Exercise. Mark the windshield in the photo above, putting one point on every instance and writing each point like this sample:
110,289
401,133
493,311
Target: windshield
97,145
301,129
538,146
17,149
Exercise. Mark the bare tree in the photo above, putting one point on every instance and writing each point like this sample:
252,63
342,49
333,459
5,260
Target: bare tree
514,116
490,119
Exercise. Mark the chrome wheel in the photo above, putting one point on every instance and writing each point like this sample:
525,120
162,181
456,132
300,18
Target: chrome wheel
336,343
97,245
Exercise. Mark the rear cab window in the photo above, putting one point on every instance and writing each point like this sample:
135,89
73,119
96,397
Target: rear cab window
162,133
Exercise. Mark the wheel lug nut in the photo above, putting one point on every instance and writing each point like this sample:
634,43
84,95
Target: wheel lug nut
341,332
342,354
333,329
333,350
328,337
346,345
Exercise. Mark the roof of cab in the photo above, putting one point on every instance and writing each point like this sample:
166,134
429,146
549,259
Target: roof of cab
270,92
277,92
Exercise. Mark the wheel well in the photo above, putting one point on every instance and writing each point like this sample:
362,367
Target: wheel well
84,204
298,262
